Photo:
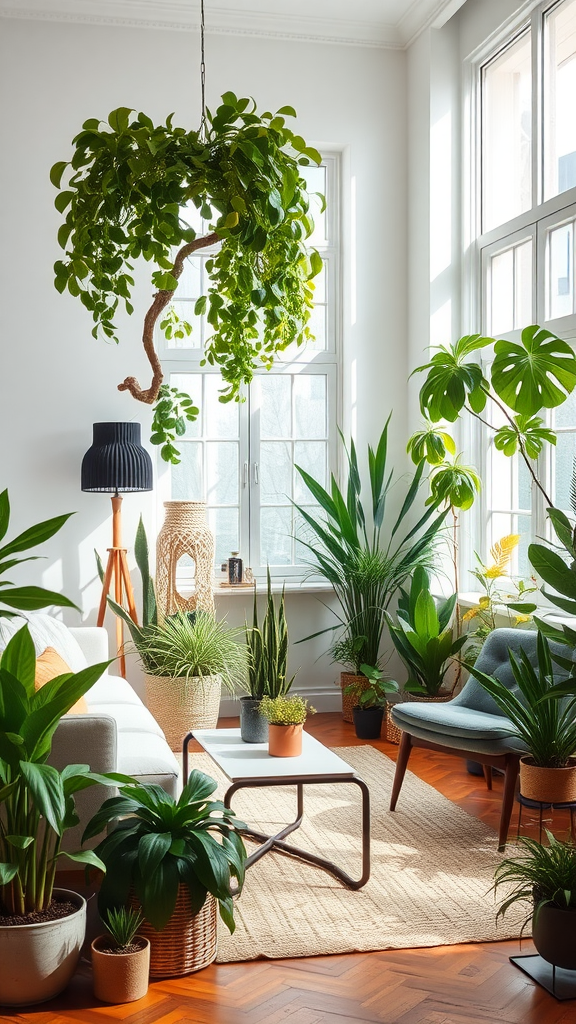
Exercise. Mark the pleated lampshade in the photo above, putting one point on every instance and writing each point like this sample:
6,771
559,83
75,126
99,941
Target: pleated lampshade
116,462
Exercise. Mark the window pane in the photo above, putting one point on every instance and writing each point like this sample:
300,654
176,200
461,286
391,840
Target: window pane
560,271
311,456
224,523
565,414
187,483
190,384
317,325
275,536
275,472
559,92
563,468
222,472
310,412
221,417
506,134
275,409
503,523
524,485
502,292
304,532
523,290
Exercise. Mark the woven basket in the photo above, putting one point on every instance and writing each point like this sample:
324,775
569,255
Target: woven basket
349,699
187,943
393,733
180,705
548,785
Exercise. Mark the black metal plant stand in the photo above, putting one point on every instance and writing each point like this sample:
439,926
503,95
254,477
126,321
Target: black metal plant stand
558,982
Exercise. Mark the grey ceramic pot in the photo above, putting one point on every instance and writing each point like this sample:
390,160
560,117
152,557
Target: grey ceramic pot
253,725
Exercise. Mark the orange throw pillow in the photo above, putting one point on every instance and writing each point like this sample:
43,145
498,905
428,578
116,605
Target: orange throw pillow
49,665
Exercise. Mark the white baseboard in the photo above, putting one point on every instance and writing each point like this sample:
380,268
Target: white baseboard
322,700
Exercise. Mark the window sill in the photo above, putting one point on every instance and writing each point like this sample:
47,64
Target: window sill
291,586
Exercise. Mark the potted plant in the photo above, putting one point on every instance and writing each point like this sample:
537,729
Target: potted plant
545,879
286,717
267,648
365,564
121,959
41,927
174,859
241,172
370,702
186,659
424,638
545,723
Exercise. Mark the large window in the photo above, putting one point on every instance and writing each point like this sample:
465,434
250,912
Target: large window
525,215
240,457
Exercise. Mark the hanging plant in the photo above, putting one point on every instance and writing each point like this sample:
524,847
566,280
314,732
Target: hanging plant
122,196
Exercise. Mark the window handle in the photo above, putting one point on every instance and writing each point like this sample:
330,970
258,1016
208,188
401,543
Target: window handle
245,475
256,473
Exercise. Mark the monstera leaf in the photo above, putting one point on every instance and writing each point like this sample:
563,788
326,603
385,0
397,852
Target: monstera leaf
538,373
455,485
451,380
430,444
531,430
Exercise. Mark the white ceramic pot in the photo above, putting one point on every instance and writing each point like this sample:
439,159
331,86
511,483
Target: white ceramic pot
38,960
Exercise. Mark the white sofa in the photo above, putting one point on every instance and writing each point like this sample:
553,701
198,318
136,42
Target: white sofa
118,734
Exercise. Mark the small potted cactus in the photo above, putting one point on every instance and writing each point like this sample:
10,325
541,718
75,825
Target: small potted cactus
286,716
121,959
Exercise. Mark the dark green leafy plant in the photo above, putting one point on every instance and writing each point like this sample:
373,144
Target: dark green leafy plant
36,800
365,558
25,599
163,843
423,636
374,695
173,410
122,923
543,875
123,198
268,649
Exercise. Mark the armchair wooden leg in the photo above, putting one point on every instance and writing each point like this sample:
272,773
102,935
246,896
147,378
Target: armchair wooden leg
404,751
510,778
488,776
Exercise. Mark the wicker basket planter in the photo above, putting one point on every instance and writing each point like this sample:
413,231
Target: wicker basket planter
180,705
350,699
187,943
548,785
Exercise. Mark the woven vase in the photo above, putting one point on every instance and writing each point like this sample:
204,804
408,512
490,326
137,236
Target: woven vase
185,531
180,705
188,941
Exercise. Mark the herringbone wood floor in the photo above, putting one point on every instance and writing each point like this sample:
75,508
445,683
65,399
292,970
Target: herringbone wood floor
472,984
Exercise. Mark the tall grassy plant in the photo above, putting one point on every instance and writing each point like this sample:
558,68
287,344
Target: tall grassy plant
191,644
543,874
267,647
365,557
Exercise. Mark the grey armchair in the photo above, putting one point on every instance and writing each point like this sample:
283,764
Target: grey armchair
471,725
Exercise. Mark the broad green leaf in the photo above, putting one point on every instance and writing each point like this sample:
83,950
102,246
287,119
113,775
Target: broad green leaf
538,373
45,786
19,658
553,570
7,873
35,535
30,599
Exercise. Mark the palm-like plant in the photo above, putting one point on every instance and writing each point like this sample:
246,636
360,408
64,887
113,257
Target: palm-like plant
193,644
545,874
268,649
163,844
350,549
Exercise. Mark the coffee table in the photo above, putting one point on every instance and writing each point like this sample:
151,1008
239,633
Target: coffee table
250,766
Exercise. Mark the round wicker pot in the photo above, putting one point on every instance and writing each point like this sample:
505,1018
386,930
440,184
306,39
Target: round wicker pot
38,960
180,705
548,785
253,725
554,935
120,977
368,722
350,699
187,943
285,740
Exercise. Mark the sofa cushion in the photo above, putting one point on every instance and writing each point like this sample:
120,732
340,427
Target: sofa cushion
49,664
46,632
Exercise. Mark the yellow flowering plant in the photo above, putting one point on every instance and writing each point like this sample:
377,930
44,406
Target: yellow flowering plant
293,710
495,595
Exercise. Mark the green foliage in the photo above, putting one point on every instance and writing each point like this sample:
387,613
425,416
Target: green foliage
553,569
423,636
539,373
528,430
268,649
173,410
349,549
452,378
374,695
163,843
192,644
123,923
283,710
453,485
546,724
431,444
25,599
544,874
36,800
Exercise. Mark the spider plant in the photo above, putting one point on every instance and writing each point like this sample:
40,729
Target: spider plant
365,559
546,724
191,644
268,650
122,923
545,874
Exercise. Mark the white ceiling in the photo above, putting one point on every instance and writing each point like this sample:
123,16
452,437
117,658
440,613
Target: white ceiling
381,23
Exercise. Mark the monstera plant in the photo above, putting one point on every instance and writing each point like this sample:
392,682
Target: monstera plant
123,196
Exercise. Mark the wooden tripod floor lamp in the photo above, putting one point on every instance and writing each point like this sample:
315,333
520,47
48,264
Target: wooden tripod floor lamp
117,462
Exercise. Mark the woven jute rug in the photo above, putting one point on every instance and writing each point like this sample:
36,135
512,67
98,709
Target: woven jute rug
432,870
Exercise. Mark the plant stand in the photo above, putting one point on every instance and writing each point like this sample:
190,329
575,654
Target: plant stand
540,806
558,982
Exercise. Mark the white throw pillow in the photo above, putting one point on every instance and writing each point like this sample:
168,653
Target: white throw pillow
46,632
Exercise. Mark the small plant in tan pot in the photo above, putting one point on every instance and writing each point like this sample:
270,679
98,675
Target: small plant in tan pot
286,716
121,959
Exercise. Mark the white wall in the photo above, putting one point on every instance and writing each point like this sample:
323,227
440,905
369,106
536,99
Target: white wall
55,380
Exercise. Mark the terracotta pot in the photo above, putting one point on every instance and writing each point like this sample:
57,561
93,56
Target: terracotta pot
554,935
38,960
548,785
120,977
285,740
350,699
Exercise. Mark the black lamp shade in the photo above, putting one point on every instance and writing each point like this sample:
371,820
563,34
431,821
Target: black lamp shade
116,462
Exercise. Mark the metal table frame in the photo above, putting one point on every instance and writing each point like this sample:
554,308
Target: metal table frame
276,842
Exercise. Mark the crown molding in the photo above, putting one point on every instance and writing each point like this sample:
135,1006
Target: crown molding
177,15
424,14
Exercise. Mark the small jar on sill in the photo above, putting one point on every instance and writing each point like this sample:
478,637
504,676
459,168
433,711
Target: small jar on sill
235,569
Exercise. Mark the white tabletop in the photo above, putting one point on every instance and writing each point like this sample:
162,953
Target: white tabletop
241,761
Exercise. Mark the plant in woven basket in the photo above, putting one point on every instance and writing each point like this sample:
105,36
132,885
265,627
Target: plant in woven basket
282,710
374,695
267,647
162,843
124,197
191,645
